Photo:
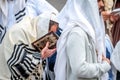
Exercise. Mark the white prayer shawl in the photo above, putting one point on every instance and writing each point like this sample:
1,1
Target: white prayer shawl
102,49
37,7
81,13
91,14
19,5
115,58
25,32
11,12
4,10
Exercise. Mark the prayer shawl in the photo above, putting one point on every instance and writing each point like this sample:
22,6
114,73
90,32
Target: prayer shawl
84,14
37,7
18,59
17,12
115,58
116,34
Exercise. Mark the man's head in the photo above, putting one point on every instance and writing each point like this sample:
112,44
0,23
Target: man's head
46,22
100,5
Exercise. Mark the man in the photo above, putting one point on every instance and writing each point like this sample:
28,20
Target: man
19,60
80,46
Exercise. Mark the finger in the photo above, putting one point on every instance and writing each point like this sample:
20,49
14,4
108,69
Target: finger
52,52
47,45
49,52
46,54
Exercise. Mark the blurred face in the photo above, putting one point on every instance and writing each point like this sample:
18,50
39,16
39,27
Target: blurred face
100,5
53,26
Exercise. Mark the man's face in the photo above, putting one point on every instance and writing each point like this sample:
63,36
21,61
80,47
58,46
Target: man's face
100,5
53,26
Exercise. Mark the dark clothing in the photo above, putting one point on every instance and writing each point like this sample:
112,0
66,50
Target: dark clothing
116,27
51,60
116,32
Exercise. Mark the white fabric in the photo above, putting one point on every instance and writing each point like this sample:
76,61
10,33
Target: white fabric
115,58
102,47
37,7
91,15
26,31
4,12
11,18
9,9
11,12
82,13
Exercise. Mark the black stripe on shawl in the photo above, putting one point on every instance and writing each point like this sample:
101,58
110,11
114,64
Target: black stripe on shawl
20,15
25,0
23,10
2,32
18,50
19,18
20,63
1,27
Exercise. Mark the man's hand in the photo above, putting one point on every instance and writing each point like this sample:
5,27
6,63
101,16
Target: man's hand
47,52
105,15
105,59
114,17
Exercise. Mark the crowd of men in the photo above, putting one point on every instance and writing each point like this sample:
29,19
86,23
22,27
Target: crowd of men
87,48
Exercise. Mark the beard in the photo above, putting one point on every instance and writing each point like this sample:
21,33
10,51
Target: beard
101,9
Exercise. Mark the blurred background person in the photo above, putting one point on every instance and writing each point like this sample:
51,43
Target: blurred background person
116,32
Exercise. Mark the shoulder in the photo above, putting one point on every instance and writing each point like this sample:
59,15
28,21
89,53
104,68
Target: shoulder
19,29
23,24
78,31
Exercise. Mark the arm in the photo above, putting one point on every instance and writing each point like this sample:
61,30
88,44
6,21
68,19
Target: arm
78,56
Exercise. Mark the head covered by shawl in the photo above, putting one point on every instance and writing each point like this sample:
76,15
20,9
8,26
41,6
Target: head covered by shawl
85,14
24,32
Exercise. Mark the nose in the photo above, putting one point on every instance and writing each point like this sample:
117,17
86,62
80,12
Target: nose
101,3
